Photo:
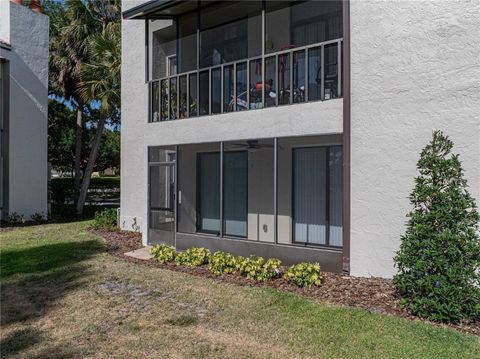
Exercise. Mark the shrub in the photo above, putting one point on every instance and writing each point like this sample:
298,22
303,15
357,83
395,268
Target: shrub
37,217
222,262
106,219
193,257
163,253
439,256
15,218
304,274
256,268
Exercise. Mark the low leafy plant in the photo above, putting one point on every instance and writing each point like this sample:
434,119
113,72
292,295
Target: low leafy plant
163,253
106,219
193,257
439,258
256,268
15,218
37,217
222,262
304,274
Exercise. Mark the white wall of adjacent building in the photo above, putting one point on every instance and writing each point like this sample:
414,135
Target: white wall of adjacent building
415,68
27,61
5,22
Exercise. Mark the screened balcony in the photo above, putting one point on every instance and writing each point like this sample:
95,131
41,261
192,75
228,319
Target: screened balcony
230,56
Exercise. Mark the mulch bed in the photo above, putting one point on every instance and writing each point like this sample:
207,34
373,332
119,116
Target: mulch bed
376,295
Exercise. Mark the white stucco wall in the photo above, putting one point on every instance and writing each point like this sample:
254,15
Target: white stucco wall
5,21
28,105
415,68
138,134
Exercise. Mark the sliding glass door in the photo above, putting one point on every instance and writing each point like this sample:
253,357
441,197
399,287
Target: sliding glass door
162,202
208,195
309,195
235,193
235,197
317,195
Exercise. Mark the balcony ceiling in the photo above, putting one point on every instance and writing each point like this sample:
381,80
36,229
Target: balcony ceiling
162,9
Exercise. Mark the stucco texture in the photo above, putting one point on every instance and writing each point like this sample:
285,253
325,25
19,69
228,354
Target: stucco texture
415,68
28,107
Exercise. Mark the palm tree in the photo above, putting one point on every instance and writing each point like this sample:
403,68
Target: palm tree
68,52
101,82
72,27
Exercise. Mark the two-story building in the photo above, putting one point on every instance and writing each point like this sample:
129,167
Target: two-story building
23,111
291,129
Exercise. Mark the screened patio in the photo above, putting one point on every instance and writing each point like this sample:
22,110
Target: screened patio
277,197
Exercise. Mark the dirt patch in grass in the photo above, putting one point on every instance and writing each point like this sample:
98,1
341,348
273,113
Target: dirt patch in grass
376,295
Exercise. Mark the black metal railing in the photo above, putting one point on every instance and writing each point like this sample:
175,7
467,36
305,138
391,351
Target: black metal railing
297,75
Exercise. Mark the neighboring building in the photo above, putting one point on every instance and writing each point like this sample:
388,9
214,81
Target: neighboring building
23,110
291,129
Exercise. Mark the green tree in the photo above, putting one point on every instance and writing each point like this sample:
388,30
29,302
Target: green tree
439,256
61,139
101,82
61,136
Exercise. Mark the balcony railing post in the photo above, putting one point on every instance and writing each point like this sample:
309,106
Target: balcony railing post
210,91
291,76
188,95
322,73
339,68
306,74
277,87
222,87
248,84
234,87
177,84
263,55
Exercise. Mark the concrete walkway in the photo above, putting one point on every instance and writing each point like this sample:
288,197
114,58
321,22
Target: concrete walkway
142,253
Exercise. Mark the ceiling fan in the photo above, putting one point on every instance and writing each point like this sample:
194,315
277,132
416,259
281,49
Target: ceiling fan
252,145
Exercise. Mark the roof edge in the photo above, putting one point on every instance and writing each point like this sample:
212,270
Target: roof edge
142,11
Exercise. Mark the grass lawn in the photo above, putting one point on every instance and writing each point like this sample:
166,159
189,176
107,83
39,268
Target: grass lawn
61,296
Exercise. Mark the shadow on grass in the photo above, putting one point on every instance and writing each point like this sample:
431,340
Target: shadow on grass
35,260
46,273
19,340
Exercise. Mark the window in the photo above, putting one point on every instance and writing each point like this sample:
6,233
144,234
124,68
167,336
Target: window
171,65
295,24
230,31
187,42
163,45
317,195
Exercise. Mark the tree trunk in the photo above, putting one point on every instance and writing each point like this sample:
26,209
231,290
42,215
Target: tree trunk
78,150
91,162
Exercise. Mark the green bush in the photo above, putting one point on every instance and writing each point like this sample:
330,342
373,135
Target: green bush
222,262
256,268
163,253
15,218
439,256
193,257
106,219
37,217
304,274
